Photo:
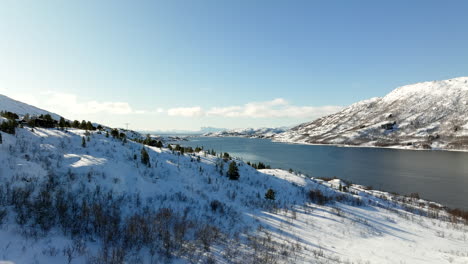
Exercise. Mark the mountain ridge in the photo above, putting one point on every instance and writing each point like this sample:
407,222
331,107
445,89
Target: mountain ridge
425,115
20,108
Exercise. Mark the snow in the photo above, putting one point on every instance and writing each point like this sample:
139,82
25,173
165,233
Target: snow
247,132
384,229
11,105
427,115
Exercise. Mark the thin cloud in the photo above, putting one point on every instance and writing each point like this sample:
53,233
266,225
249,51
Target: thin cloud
186,111
69,104
276,108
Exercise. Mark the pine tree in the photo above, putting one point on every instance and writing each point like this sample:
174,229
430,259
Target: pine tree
62,123
270,194
90,126
115,133
83,124
145,157
76,124
233,171
107,134
83,142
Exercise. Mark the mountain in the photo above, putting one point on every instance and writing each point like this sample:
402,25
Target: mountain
80,196
248,132
202,130
427,115
20,108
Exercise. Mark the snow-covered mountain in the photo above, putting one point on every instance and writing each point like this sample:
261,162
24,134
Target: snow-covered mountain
429,115
202,130
248,132
20,108
65,202
77,196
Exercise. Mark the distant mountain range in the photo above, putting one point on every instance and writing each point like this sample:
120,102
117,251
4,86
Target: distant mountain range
427,115
248,132
203,130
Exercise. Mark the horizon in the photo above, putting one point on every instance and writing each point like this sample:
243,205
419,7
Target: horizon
164,66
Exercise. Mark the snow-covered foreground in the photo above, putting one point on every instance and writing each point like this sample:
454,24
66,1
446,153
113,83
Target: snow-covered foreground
65,203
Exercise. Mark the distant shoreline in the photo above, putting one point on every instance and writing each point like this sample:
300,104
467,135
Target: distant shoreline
339,145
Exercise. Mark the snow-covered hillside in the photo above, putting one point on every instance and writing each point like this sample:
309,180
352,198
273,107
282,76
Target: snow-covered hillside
248,132
429,115
68,200
20,108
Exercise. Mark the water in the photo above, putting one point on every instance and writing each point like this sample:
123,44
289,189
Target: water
439,176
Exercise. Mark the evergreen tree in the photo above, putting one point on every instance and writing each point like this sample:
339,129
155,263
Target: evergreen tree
90,126
62,123
9,115
233,171
261,166
145,157
8,126
48,121
76,124
83,124
270,194
83,142
1,140
115,133
107,134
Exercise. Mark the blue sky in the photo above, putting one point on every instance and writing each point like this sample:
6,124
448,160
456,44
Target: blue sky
187,64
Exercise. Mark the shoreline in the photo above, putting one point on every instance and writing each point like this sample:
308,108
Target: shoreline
341,145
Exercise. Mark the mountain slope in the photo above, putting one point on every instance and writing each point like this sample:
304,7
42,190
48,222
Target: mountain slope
20,108
423,115
64,201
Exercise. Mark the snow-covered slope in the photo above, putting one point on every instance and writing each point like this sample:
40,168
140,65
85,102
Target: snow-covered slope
423,115
62,202
248,132
20,108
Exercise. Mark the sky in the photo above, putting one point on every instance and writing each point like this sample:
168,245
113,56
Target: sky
163,65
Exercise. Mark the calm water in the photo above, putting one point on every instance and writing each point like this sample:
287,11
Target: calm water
439,176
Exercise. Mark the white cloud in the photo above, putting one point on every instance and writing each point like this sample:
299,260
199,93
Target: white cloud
69,103
186,111
277,108
71,106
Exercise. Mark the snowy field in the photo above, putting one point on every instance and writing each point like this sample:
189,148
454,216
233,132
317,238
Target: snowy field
201,215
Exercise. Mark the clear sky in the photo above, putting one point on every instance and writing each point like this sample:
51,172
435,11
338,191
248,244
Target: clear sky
186,64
